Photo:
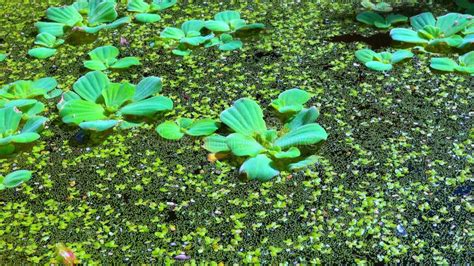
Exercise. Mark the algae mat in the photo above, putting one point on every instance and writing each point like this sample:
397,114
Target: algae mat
394,182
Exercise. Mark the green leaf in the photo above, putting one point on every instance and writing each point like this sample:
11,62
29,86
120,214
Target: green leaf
181,52
148,106
202,127
452,23
406,35
9,119
139,6
117,23
162,4
94,30
311,160
369,18
34,124
293,152
242,145
382,7
26,137
103,12
382,25
305,116
42,52
468,40
467,59
185,122
126,62
230,46
215,25
216,143
443,64
116,94
418,22
53,28
304,135
3,57
147,18
5,150
195,41
78,111
33,110
259,168
192,26
453,41
147,87
172,33
104,53
366,55
95,65
169,130
378,66
67,15
99,125
396,18
291,100
227,16
244,26
244,117
16,178
45,84
47,40
90,86
401,55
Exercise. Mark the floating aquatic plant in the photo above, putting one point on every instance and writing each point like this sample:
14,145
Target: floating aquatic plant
380,7
98,104
15,179
26,89
427,30
10,132
146,10
230,21
174,130
188,35
381,61
374,19
105,57
225,42
267,151
465,65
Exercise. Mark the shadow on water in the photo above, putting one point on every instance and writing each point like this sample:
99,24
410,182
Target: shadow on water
80,37
376,41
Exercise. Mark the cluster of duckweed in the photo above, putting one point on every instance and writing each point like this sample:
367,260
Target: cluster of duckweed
393,184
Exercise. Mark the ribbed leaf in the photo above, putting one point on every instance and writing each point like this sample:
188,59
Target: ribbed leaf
244,117
244,26
67,15
227,16
378,66
78,111
162,4
95,65
293,152
366,55
9,119
452,23
45,84
172,33
418,22
401,55
147,87
15,179
198,40
467,59
369,18
117,23
305,116
126,62
304,135
242,145
139,6
396,18
259,168
33,110
104,53
216,143
291,100
169,130
53,28
147,18
406,35
42,52
47,40
202,127
148,106
116,94
34,124
99,125
90,86
308,161
192,26
230,46
26,137
443,64
103,12
216,25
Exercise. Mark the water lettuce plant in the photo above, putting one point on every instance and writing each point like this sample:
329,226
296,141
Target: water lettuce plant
230,21
105,57
10,132
268,151
15,179
98,104
465,65
47,43
225,42
174,130
427,30
379,7
27,89
381,61
374,19
188,35
145,10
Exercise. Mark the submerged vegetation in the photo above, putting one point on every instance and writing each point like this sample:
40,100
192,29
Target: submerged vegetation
120,172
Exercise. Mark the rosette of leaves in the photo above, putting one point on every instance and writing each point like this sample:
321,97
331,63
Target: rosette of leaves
374,19
427,30
379,7
188,35
47,43
225,42
174,130
98,104
381,61
230,21
268,151
145,11
465,65
15,179
28,89
14,130
88,15
105,57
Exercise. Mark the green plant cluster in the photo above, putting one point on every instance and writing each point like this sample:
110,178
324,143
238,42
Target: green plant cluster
219,33
145,11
